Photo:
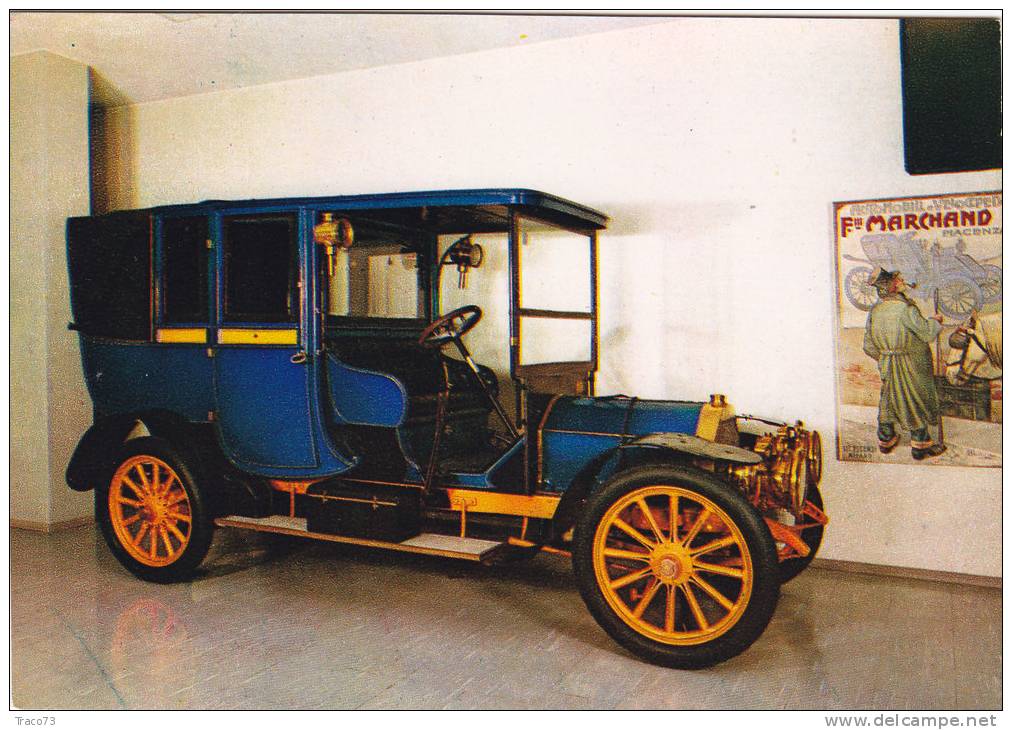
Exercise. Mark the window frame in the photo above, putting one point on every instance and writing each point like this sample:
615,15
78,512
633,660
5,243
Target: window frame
296,287
160,266
518,311
425,248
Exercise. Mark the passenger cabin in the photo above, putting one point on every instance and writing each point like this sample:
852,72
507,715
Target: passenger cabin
291,327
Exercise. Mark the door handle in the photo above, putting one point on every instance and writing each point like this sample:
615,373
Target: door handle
299,358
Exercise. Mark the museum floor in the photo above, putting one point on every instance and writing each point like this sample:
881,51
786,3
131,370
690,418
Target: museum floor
308,625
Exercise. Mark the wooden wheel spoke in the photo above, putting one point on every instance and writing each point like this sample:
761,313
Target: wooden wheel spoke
655,528
163,488
154,543
136,489
714,545
697,612
175,531
673,517
169,551
139,468
156,483
625,554
130,520
644,602
178,516
669,610
701,519
127,501
634,533
140,535
176,499
719,569
629,578
713,593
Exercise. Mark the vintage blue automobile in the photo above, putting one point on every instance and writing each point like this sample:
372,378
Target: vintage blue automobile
284,366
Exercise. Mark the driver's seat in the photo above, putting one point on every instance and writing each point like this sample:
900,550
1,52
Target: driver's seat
465,436
421,375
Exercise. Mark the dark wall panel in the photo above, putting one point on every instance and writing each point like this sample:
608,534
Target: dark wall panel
951,70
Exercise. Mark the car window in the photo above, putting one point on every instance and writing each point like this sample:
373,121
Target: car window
554,268
184,270
260,257
110,274
374,273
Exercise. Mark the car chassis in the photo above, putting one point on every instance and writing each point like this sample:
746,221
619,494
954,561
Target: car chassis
281,366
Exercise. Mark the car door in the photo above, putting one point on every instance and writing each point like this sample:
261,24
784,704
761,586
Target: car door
263,376
182,372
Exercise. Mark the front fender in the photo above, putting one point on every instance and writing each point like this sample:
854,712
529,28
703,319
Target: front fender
656,447
684,443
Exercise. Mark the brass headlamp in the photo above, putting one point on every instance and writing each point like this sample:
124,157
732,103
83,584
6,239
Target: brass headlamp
333,234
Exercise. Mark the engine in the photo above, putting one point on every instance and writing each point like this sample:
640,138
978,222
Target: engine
791,462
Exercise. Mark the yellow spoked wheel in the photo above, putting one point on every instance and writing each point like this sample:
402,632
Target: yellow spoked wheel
672,564
150,511
676,565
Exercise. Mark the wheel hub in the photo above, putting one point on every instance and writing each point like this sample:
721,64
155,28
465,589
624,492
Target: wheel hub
153,511
668,568
670,565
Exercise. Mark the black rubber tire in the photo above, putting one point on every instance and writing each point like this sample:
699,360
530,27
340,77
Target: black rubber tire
766,579
791,569
201,526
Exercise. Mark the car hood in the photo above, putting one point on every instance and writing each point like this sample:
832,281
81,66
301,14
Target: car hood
621,416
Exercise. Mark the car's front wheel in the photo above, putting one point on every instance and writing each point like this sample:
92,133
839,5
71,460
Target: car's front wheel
811,529
152,513
676,566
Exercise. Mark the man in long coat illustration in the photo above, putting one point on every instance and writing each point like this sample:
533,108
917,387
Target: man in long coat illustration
897,336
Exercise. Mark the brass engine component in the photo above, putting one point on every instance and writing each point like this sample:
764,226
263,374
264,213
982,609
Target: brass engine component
717,421
792,460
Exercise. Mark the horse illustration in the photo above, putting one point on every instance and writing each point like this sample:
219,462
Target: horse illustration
977,342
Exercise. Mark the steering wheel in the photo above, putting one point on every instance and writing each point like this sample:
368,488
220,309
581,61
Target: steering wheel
450,326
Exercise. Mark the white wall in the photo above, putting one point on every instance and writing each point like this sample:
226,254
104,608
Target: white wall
49,181
716,145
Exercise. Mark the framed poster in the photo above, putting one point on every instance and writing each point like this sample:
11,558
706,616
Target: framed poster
918,330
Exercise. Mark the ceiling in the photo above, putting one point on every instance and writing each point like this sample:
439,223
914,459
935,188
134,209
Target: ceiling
139,57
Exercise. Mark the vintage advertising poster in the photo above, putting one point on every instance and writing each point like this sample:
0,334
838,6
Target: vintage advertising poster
919,291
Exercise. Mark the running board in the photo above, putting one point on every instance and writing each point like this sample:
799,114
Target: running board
447,546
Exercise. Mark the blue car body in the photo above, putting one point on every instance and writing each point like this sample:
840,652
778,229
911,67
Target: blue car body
268,413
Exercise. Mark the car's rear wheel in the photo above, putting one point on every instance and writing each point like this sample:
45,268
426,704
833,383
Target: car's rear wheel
676,566
152,513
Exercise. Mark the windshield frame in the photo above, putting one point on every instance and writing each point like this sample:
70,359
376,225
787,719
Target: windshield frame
524,372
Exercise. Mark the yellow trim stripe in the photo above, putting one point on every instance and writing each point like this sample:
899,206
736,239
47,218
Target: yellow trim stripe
191,335
257,337
540,505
